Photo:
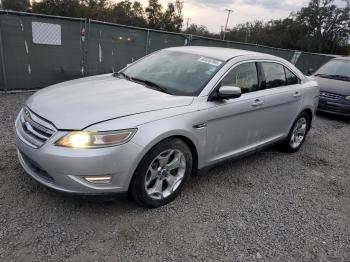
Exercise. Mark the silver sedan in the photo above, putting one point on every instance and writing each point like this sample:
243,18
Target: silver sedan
146,129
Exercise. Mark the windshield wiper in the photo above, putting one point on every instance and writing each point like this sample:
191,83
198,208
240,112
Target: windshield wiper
322,75
146,82
340,76
119,74
151,84
333,76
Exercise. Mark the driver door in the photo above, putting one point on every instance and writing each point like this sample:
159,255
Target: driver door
232,127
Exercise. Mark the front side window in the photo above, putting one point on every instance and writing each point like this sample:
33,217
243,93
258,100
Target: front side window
274,74
244,76
178,73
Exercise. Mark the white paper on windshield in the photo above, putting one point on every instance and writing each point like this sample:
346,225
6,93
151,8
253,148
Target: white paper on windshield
210,61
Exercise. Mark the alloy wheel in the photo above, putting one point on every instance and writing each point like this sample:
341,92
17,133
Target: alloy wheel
165,174
298,133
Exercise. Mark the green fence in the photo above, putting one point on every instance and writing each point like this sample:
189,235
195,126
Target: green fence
40,50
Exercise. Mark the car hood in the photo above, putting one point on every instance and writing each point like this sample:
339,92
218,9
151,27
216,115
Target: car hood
333,86
80,103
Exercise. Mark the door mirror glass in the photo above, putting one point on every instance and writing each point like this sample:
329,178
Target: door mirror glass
228,92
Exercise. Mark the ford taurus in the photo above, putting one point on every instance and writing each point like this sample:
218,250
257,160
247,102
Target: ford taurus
176,112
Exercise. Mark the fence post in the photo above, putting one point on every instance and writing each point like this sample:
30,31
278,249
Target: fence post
190,38
86,53
3,60
147,42
84,40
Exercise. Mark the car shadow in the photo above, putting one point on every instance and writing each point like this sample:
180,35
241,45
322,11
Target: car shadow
74,201
234,169
123,202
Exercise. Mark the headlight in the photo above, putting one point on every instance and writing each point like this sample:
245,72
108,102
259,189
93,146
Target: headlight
86,139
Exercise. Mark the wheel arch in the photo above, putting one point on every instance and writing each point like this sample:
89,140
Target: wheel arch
193,149
186,139
308,111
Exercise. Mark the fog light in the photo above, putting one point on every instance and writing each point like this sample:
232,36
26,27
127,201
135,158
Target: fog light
99,179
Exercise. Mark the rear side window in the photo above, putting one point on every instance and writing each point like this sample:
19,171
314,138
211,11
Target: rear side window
274,74
244,76
278,75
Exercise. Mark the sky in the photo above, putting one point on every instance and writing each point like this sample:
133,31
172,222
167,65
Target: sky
211,13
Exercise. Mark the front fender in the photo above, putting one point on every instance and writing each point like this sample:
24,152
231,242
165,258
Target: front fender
150,134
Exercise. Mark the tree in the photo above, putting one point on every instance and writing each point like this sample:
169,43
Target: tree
128,13
199,30
154,14
72,8
283,33
138,15
320,27
172,18
96,9
121,12
326,23
17,5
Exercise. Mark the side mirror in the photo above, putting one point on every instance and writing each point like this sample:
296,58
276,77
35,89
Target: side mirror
228,92
310,71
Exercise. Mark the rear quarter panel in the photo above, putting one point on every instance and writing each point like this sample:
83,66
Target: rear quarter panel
310,95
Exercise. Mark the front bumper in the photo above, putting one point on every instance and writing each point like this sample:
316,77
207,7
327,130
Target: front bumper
64,169
334,107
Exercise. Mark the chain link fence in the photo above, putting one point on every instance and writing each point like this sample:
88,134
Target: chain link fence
40,50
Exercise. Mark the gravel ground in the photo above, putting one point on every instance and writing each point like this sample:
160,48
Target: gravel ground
266,207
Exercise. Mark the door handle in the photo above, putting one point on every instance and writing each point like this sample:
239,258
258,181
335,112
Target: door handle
297,94
258,102
201,125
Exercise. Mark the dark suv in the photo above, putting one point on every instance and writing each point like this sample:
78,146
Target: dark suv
334,81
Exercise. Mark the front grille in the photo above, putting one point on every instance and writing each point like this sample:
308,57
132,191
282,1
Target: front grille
330,96
32,129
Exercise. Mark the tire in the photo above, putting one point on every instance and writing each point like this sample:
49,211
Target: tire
162,173
297,134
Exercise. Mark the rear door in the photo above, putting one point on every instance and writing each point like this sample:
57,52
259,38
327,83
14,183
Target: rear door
281,94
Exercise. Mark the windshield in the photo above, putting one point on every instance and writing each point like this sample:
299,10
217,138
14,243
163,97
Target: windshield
176,72
337,69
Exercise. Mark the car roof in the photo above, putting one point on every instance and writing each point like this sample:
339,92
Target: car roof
343,58
219,53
